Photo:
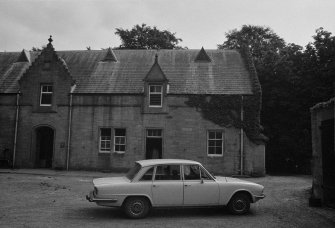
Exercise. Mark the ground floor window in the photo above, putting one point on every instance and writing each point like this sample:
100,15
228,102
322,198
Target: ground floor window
105,140
215,143
119,140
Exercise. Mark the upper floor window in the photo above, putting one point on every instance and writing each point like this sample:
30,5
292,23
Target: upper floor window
46,95
119,140
155,95
215,143
105,140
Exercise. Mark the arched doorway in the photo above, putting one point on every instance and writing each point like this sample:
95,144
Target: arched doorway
44,147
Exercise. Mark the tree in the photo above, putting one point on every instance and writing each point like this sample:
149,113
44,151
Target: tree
277,65
146,37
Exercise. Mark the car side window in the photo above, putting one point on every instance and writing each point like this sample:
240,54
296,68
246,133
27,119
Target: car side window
147,176
191,172
167,172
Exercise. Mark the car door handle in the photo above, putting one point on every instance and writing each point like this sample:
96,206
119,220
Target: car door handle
155,186
186,185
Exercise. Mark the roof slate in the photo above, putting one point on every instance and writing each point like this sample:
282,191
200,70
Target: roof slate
225,74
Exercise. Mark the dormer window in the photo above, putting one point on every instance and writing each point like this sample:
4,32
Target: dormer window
155,95
46,95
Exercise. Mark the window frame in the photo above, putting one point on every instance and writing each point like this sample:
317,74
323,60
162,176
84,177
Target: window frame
46,93
125,141
100,140
156,93
222,143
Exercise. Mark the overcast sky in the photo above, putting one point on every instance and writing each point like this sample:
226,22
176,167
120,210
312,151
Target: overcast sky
76,24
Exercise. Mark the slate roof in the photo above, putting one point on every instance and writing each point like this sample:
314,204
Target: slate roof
225,74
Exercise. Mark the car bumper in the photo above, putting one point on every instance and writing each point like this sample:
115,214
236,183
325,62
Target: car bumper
91,198
256,198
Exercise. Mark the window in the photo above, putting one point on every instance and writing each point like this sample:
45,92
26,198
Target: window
155,95
46,95
105,140
191,172
154,133
195,172
119,140
215,143
148,175
167,172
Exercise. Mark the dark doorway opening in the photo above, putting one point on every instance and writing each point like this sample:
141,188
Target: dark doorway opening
154,149
44,147
328,161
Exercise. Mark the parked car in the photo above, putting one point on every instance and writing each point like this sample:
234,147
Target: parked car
173,183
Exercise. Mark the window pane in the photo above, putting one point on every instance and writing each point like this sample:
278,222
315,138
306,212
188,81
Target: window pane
218,150
218,143
148,175
46,99
218,135
156,99
106,132
211,142
191,172
154,133
211,135
167,172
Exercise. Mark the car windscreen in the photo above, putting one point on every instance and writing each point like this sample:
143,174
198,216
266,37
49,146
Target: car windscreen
133,171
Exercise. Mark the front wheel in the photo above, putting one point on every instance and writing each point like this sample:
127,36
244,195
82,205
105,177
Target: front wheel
136,207
239,204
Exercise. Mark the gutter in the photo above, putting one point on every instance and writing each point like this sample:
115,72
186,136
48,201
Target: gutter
69,131
16,127
241,138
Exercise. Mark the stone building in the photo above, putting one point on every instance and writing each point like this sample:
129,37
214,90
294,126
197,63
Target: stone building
105,109
323,165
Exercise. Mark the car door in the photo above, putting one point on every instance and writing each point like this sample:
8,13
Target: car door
199,188
167,187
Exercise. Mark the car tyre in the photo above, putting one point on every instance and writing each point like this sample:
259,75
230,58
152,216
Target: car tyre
136,207
239,204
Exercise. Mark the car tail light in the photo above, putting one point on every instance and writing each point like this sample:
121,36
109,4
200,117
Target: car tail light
95,192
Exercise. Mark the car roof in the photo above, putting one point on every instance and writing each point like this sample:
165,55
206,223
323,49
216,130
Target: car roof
150,162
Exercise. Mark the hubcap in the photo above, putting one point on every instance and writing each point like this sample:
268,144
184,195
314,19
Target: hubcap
137,208
239,205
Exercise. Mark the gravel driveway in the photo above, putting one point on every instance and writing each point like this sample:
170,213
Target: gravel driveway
57,199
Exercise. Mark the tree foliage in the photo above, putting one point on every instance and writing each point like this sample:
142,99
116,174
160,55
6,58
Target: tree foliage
146,37
292,80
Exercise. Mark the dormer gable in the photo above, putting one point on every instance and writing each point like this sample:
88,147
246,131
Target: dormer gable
24,56
202,56
110,56
156,73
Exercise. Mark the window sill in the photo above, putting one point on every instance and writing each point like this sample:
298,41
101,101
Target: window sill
119,152
215,155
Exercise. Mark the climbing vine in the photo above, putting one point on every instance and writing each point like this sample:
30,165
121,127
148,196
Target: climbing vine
225,111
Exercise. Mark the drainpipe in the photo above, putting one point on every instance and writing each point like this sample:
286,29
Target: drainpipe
242,138
69,134
16,124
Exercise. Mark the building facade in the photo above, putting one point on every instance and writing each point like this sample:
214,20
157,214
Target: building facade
103,110
323,141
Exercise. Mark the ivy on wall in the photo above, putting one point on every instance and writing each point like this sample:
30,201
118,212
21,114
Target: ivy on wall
225,110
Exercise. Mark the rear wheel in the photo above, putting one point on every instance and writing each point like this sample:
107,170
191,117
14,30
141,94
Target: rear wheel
239,204
136,207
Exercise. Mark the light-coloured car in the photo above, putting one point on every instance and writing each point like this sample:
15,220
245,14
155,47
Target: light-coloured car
173,183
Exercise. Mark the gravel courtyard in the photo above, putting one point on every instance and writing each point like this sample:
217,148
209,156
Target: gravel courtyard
47,198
